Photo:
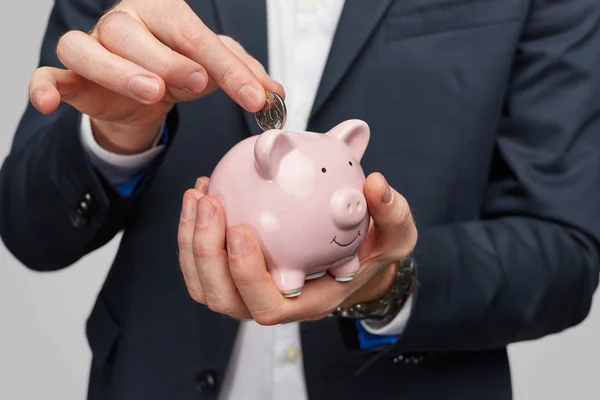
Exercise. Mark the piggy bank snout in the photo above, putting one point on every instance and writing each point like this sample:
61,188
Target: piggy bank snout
348,207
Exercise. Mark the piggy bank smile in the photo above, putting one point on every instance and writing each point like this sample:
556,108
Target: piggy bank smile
335,240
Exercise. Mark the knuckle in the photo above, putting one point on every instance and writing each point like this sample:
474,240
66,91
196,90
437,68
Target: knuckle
265,320
40,74
256,66
167,69
64,44
226,39
188,193
191,39
218,305
245,315
232,44
197,296
244,280
403,214
241,275
228,76
108,23
200,252
269,318
183,240
239,313
44,69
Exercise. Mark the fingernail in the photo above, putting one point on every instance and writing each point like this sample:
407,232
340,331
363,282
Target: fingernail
251,97
200,185
189,206
278,85
236,243
144,87
196,82
386,198
206,212
37,98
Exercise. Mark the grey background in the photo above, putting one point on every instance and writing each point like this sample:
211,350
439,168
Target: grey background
43,350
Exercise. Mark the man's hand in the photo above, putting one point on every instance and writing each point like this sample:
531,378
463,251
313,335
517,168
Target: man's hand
141,58
227,272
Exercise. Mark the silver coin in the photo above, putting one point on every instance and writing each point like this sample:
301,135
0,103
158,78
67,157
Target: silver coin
274,113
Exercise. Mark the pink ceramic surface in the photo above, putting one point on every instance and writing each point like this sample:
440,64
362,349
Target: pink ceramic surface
302,193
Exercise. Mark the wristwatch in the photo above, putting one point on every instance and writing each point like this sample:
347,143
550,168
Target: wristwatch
391,303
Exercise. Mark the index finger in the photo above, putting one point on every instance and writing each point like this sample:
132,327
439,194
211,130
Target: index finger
176,25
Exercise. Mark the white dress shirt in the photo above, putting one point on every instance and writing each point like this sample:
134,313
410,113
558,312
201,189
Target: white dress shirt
267,360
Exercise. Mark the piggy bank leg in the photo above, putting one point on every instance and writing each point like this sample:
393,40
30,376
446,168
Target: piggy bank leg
344,270
289,281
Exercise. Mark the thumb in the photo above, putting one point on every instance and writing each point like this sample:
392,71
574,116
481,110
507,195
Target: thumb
46,85
50,86
392,218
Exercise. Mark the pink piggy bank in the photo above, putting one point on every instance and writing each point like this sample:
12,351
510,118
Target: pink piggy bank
302,194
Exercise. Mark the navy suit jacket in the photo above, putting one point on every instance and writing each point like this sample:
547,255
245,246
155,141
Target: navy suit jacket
485,115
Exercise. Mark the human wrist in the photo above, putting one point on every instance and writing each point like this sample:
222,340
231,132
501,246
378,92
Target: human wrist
388,305
126,139
383,286
374,289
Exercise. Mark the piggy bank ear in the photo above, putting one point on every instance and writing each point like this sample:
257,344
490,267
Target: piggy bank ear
269,150
355,134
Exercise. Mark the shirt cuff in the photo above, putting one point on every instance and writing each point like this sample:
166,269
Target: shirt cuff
395,327
118,169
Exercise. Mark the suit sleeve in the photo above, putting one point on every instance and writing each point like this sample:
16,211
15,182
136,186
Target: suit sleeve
529,267
54,206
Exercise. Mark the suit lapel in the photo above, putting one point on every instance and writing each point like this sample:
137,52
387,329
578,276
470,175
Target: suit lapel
358,20
246,22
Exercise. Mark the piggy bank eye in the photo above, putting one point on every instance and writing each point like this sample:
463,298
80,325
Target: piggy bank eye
350,162
323,170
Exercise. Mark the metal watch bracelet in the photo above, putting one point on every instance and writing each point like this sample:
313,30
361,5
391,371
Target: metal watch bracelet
391,303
